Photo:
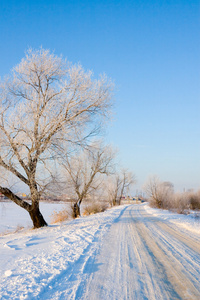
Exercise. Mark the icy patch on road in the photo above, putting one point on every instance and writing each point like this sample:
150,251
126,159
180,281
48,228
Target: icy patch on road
189,222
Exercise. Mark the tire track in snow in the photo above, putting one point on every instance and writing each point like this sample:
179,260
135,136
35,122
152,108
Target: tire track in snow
188,241
153,279
174,255
171,266
127,269
184,254
185,249
141,260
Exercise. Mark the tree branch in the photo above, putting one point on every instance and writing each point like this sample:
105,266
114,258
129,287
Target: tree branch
8,193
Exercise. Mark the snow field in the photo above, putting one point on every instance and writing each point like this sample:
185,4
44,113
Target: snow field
13,217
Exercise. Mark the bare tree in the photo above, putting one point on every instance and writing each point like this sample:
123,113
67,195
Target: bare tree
120,184
45,106
114,189
158,191
84,170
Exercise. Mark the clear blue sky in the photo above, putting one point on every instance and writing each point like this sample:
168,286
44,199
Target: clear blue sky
151,49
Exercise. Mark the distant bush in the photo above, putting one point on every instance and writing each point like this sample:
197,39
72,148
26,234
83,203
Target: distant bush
159,192
94,208
162,195
194,200
183,202
179,202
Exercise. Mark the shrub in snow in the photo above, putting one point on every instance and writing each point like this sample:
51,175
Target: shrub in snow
59,216
94,208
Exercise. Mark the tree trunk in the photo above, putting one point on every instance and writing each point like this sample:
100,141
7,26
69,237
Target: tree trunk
33,210
76,209
37,217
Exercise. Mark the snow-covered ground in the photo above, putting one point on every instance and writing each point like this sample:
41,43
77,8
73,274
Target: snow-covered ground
13,217
127,252
190,222
33,261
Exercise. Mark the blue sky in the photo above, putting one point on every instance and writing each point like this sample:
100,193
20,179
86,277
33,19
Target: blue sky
150,49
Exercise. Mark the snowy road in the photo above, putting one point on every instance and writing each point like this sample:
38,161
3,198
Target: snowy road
124,253
142,257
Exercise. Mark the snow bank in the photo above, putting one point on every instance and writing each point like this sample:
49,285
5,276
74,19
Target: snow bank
189,222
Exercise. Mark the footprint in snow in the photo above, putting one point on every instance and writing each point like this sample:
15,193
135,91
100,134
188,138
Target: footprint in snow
11,246
34,241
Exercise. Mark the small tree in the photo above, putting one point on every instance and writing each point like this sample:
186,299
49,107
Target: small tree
119,184
45,106
83,172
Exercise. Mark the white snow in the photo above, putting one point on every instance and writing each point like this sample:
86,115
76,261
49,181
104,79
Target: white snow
58,262
190,222
13,217
32,261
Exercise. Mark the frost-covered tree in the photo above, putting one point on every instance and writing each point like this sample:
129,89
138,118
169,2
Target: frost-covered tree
158,192
46,105
83,171
118,185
